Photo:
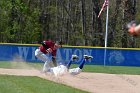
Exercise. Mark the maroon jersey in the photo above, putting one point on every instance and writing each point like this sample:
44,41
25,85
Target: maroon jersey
46,45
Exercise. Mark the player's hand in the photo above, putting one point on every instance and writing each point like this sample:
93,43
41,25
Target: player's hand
49,50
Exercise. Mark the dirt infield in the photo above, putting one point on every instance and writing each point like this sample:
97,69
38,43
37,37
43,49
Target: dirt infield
91,82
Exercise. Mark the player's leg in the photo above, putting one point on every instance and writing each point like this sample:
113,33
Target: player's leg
71,60
44,58
59,70
69,64
75,71
46,66
81,65
86,57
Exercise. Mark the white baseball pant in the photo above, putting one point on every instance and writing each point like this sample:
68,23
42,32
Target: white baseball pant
45,58
61,70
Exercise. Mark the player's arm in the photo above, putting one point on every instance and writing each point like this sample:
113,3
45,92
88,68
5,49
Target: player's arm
137,29
133,29
44,44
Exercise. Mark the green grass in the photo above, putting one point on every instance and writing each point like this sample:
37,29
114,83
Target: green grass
112,69
25,84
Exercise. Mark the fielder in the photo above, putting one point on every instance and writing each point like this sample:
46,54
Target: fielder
62,69
47,53
133,29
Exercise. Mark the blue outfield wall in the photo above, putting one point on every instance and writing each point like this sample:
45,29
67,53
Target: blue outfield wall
114,56
13,52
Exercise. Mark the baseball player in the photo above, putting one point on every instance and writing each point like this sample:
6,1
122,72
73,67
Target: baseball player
133,29
62,69
47,53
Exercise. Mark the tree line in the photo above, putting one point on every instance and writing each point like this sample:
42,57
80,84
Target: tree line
75,22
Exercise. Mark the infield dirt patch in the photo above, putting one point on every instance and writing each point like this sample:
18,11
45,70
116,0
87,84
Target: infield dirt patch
91,82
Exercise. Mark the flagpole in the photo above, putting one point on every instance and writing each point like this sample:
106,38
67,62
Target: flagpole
106,34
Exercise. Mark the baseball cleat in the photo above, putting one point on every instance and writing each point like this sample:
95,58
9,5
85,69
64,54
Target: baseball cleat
87,57
74,57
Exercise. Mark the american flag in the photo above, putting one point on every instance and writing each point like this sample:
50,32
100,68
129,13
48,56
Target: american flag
106,2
